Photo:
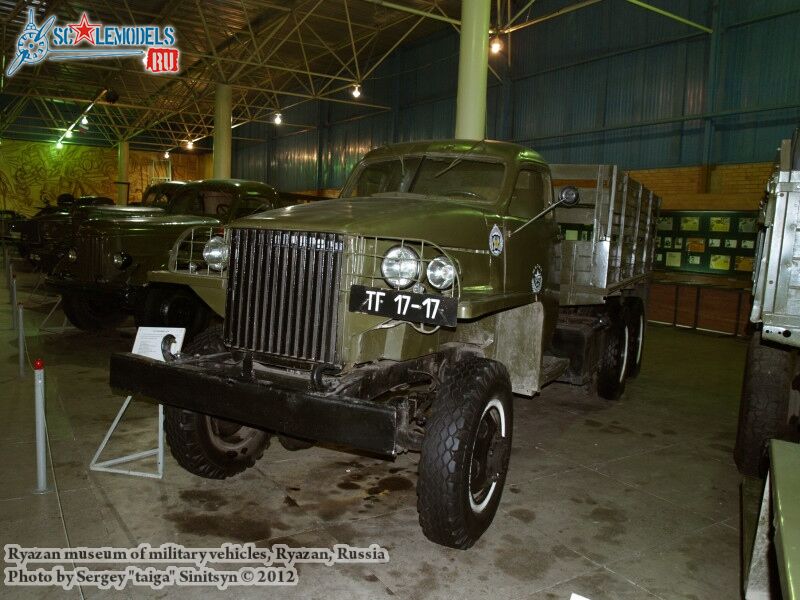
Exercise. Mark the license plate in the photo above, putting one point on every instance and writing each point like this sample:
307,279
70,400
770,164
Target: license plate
404,306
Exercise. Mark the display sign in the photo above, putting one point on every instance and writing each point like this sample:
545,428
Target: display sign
720,242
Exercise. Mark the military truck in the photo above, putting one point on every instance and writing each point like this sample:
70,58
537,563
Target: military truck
49,237
770,403
102,279
403,315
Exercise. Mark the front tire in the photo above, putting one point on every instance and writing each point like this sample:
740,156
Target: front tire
465,452
207,446
764,405
91,313
173,307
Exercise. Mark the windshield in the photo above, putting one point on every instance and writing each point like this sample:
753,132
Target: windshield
157,197
467,179
201,202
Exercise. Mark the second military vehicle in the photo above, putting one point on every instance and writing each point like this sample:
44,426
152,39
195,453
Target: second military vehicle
770,402
403,315
103,277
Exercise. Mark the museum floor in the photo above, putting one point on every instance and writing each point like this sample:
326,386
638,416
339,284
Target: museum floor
634,499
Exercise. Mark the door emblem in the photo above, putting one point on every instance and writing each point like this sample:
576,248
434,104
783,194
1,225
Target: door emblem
496,242
537,279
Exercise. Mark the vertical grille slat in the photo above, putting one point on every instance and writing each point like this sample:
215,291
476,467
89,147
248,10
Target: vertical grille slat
283,293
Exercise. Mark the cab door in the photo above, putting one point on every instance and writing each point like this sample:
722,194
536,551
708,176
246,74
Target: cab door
529,251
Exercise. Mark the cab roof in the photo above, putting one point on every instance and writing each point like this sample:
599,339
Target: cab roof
232,185
504,151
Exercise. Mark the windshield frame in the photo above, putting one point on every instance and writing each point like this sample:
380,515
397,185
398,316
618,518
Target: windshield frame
462,157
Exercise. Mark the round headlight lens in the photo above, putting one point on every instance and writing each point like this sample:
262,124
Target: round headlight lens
121,260
215,253
400,267
441,273
72,255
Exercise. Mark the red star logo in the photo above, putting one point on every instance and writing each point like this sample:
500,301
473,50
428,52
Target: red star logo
84,30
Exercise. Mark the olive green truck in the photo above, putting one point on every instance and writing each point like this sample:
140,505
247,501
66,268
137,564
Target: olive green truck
770,402
402,317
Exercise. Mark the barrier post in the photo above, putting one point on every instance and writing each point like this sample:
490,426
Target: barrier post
21,339
13,290
41,427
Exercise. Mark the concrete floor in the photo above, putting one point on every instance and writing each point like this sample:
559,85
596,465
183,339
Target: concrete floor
632,499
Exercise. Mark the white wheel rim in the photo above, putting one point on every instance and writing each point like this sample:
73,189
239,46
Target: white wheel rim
624,356
478,507
640,340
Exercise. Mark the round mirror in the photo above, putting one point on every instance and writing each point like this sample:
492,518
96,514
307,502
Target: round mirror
569,196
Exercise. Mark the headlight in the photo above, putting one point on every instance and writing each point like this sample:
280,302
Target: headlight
72,255
441,273
400,267
215,253
121,260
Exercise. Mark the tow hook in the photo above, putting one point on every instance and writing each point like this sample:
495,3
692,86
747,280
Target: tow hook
317,383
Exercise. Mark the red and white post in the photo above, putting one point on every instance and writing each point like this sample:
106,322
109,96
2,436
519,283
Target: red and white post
41,427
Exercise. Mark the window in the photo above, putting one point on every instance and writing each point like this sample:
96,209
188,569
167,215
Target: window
383,176
527,199
471,180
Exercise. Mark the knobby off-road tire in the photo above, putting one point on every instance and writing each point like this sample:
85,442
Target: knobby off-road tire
173,307
637,324
206,446
465,453
764,405
91,313
613,366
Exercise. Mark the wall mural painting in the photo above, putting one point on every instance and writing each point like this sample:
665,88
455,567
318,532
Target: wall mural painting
34,173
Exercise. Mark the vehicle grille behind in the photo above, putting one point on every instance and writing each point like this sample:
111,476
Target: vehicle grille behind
91,257
283,293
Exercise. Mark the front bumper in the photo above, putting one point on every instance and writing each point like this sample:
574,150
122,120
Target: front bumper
284,404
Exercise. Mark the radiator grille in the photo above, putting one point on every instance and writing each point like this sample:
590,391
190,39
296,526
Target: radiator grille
91,257
283,293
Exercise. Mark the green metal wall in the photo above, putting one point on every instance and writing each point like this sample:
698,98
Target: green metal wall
609,83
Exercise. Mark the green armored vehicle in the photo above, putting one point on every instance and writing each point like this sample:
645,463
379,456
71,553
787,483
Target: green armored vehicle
103,277
403,315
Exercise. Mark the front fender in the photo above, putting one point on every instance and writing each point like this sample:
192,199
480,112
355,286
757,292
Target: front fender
211,290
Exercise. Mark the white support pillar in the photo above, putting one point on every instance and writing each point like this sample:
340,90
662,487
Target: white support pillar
222,132
123,184
473,69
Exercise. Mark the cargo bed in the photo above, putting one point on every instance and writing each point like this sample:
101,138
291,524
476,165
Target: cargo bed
616,219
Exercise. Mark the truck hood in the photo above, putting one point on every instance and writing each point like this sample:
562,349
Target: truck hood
133,225
116,212
444,222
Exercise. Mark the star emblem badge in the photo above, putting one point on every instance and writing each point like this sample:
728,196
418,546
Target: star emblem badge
83,30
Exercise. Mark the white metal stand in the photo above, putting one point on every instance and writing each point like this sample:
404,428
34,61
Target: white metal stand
150,342
112,465
65,326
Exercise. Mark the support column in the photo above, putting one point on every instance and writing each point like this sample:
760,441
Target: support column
122,172
473,69
222,132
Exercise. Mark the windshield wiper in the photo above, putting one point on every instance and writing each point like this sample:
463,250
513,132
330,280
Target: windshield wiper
459,158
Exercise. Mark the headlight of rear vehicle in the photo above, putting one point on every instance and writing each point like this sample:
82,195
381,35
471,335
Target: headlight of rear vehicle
441,273
215,253
121,260
72,255
400,267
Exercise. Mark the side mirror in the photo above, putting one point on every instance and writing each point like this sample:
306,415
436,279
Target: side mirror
569,196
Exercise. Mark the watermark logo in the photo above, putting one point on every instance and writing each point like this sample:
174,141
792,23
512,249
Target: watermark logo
85,40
